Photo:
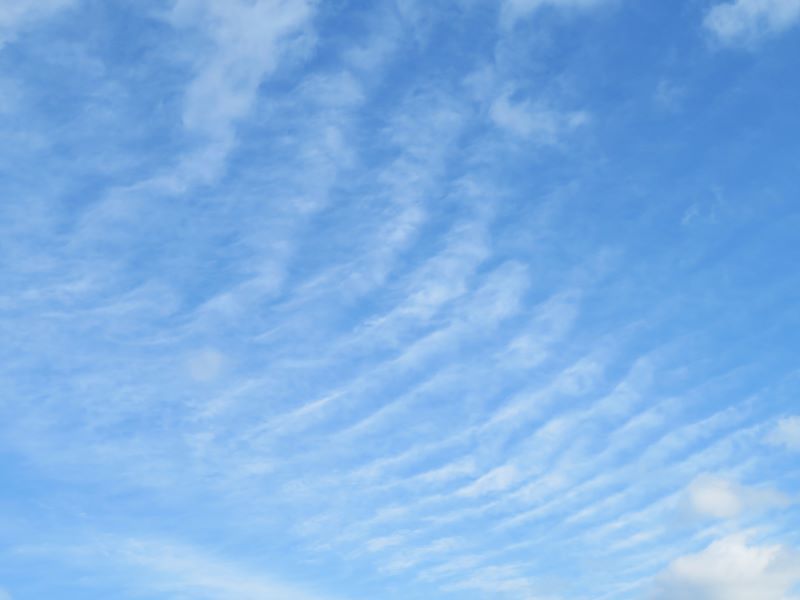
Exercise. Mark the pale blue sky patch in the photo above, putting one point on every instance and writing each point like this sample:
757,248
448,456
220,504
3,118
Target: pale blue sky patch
306,300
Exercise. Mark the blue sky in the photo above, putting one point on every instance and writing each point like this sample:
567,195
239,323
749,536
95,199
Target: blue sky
410,299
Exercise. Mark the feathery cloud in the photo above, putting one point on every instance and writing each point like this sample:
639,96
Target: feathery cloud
747,21
786,433
18,15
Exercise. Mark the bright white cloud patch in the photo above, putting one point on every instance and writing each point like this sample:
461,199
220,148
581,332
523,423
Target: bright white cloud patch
732,569
721,498
786,433
715,498
749,20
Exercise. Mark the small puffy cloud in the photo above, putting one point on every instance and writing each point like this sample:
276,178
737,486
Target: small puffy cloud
534,122
745,21
714,497
720,498
786,433
731,569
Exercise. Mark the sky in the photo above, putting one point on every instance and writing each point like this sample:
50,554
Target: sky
399,300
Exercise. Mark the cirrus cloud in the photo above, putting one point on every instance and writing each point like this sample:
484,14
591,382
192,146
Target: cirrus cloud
745,21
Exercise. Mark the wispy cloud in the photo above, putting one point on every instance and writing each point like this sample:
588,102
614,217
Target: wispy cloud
747,21
16,17
786,433
538,124
379,297
157,566
248,41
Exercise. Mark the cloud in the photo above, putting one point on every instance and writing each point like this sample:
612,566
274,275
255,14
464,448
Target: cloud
720,498
495,480
183,569
731,569
18,15
179,570
419,368
381,543
505,581
534,122
248,40
786,433
745,21
4,595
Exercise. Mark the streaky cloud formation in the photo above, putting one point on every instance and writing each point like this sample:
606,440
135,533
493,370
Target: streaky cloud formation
247,40
310,300
173,570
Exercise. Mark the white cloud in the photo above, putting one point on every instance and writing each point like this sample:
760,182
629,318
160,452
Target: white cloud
533,121
248,40
720,498
713,497
4,595
749,20
381,543
786,433
495,480
732,569
17,15
514,10
496,581
412,557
